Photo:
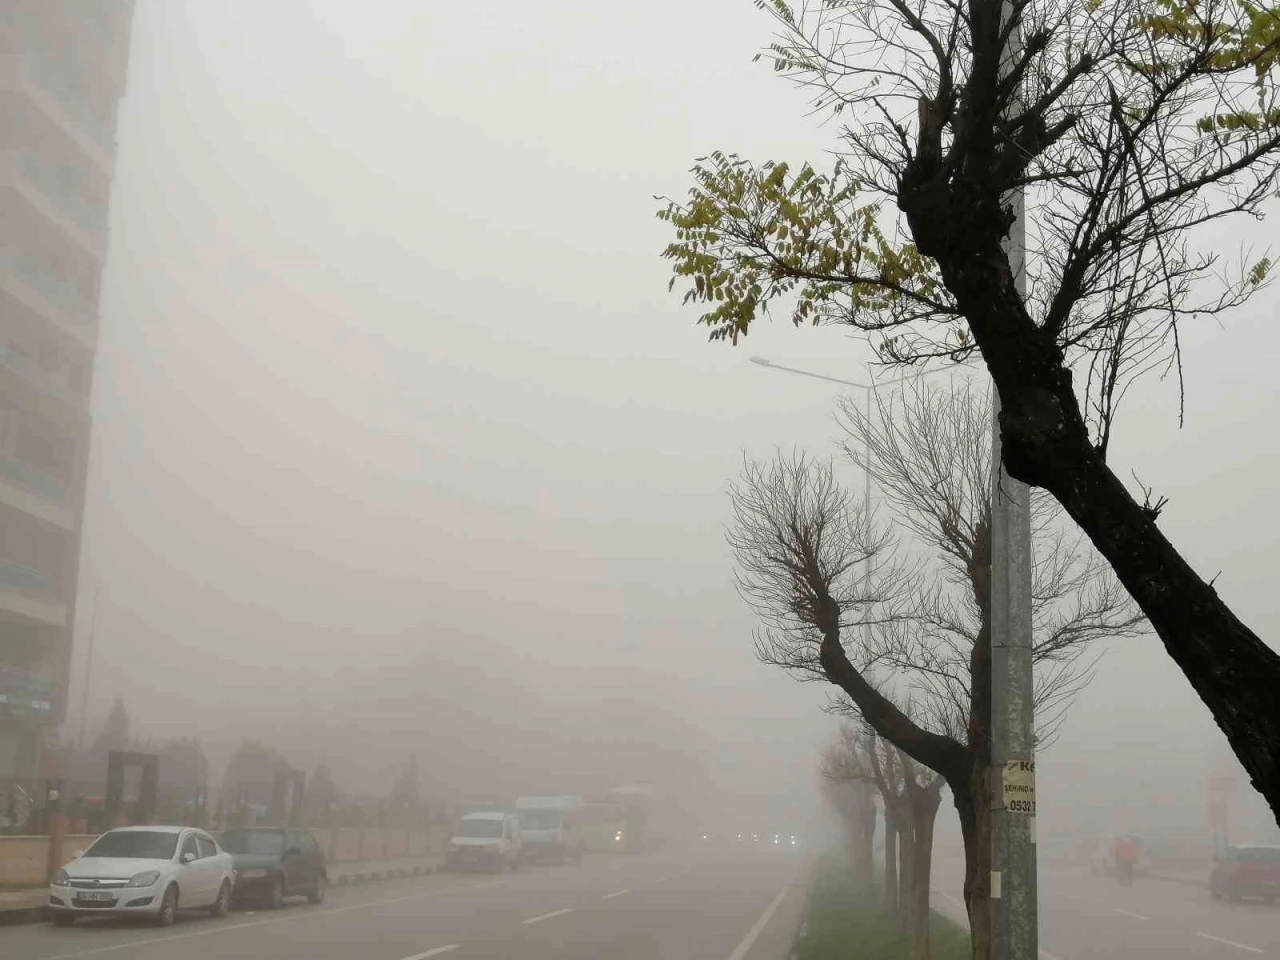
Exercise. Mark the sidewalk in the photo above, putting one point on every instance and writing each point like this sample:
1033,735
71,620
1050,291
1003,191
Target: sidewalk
27,905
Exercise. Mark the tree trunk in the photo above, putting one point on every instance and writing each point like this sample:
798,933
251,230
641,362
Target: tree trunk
906,872
1046,443
865,827
974,810
919,911
890,863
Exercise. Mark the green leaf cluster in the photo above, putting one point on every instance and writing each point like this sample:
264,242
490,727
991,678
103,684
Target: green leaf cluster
748,235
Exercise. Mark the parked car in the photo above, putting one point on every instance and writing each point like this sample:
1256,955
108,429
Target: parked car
1246,870
273,863
486,839
144,871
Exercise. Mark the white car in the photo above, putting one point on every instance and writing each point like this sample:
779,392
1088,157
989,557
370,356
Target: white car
144,871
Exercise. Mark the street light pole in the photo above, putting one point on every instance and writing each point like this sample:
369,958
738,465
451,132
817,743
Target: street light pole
1014,920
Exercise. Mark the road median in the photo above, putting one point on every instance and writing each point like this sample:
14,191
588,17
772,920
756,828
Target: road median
844,919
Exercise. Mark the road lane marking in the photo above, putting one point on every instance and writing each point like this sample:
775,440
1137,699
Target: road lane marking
301,915
754,933
1047,955
616,893
1229,943
547,916
434,952
956,900
1130,913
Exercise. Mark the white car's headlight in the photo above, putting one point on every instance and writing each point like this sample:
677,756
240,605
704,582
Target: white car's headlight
252,874
144,879
59,878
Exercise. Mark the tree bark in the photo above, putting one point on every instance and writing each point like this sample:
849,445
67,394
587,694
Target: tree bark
974,809
923,814
890,862
906,873
865,827
960,223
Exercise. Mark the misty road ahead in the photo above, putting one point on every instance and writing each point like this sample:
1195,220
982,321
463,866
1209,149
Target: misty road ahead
1084,916
665,906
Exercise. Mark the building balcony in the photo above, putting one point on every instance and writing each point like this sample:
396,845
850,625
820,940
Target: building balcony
36,493
30,595
49,194
53,298
43,381
39,80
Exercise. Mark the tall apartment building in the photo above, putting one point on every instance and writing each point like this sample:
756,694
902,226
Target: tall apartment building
62,72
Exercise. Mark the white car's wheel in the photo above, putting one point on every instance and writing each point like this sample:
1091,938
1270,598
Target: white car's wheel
222,906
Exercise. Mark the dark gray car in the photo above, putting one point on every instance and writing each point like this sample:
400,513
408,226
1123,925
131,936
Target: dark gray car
272,863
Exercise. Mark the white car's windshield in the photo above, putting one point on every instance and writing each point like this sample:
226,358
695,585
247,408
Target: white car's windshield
479,828
539,819
135,844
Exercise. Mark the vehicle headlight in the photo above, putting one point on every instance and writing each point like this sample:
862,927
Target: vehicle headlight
144,879
253,874
618,836
59,878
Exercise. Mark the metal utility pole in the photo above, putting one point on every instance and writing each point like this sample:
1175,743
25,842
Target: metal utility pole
1014,933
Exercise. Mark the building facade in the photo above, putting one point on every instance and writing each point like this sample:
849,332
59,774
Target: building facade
63,65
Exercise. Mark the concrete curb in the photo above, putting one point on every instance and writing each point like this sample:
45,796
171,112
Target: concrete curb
396,873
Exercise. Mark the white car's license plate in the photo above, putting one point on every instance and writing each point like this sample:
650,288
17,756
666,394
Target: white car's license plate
94,896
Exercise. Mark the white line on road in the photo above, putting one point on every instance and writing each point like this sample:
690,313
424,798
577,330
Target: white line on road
1130,913
433,952
1229,943
1047,955
754,933
616,893
300,915
956,900
547,916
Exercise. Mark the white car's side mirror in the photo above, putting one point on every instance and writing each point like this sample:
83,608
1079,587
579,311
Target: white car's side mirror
78,854
188,857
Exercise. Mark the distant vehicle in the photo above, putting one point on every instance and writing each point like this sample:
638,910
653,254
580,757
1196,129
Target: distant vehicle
603,826
490,838
144,871
273,863
552,828
1246,870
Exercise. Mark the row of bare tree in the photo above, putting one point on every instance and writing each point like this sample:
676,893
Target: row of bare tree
896,614
855,769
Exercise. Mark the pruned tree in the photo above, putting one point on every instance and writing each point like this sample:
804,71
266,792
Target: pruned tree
1122,127
908,641
850,787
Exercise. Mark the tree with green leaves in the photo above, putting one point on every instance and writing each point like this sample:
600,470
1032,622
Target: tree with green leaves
1123,126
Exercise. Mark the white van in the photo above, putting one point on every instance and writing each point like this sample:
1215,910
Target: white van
489,838
552,828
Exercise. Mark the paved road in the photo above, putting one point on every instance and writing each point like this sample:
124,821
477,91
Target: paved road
1083,916
662,906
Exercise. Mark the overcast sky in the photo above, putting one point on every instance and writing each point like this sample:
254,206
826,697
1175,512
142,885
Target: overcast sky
402,444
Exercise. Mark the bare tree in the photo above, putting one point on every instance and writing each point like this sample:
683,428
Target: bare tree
1125,125
908,643
850,787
